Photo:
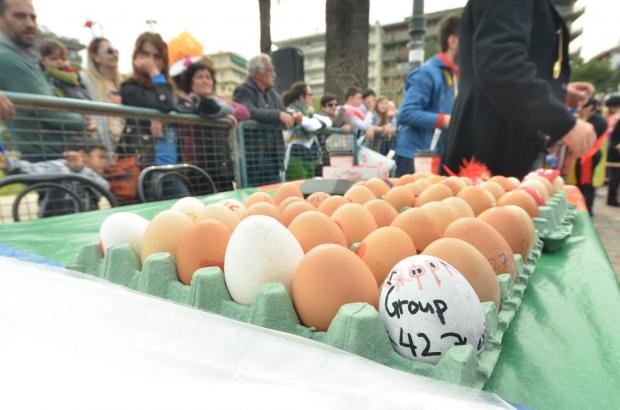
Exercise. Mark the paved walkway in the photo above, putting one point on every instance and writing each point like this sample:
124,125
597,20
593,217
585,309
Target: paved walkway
607,222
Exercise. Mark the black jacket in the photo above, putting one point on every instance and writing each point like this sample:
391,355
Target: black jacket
264,106
613,155
508,100
136,139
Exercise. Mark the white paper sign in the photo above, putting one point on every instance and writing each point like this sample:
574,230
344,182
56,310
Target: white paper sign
427,307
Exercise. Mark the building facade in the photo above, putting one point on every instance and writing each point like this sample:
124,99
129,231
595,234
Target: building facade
388,52
230,71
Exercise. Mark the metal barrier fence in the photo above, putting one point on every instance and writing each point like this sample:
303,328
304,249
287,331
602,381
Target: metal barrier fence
208,156
264,155
49,129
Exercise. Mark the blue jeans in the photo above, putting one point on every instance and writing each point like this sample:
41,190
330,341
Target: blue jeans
403,165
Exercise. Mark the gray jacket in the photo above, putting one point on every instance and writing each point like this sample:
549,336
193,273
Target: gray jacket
264,106
57,166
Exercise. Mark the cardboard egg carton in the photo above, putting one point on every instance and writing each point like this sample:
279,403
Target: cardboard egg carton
357,328
554,224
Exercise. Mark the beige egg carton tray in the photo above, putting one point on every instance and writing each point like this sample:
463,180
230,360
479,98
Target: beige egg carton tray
357,328
554,223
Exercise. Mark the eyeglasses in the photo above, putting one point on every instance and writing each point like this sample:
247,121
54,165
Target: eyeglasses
331,104
111,51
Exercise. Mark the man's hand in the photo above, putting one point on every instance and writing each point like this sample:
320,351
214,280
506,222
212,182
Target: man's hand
578,93
346,128
287,119
7,110
156,128
75,160
297,116
446,120
580,138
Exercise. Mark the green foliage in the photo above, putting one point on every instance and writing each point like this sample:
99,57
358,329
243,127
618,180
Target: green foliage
597,72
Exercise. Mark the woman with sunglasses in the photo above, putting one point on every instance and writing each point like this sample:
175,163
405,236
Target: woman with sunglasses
103,82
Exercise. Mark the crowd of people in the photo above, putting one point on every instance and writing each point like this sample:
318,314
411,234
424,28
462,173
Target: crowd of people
504,99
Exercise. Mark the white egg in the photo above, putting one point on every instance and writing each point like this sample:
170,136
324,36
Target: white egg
237,207
122,227
427,307
190,206
260,250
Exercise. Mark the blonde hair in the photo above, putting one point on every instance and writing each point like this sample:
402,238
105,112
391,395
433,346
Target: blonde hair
49,46
92,70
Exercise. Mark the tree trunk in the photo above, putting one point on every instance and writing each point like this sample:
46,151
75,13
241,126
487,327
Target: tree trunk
346,45
264,7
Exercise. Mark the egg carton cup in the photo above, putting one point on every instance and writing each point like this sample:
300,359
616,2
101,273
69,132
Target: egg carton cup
357,328
555,222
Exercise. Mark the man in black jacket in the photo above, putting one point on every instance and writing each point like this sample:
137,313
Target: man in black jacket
258,95
514,73
264,150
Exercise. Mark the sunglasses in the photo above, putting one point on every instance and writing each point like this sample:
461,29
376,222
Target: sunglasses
111,51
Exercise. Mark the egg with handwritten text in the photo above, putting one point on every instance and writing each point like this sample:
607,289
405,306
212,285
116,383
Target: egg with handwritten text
428,307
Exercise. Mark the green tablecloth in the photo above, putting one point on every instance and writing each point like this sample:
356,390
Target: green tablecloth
562,350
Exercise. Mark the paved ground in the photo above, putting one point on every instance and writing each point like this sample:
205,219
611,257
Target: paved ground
607,222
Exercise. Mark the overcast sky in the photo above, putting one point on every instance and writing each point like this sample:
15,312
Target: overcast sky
233,25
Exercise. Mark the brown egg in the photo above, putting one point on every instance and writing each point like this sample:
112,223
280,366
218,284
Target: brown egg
441,213
288,201
263,208
521,199
294,209
163,232
504,182
393,181
382,211
407,179
455,184
436,179
420,227
433,193
514,181
286,190
383,249
471,263
222,214
539,186
359,194
418,186
329,205
558,184
467,181
258,197
378,186
328,277
487,240
355,221
478,199
494,188
314,228
511,226
529,223
202,245
399,197
459,206
317,198
548,185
